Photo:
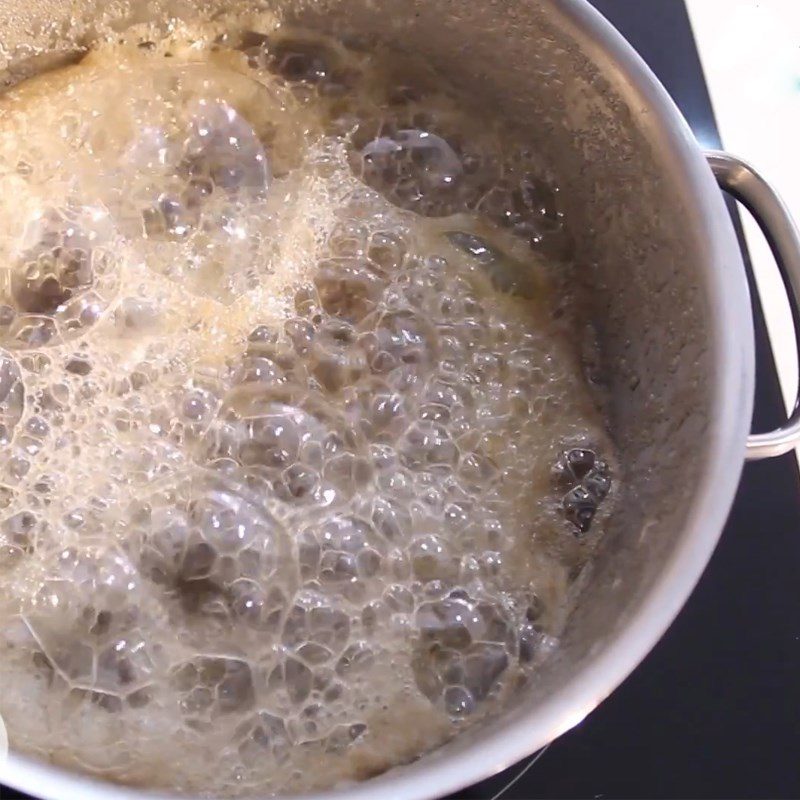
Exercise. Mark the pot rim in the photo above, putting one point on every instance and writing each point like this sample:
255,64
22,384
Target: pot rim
732,349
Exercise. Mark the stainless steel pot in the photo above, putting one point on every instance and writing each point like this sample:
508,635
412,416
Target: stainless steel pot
660,260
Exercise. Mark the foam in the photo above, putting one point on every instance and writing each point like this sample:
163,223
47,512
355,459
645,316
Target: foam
283,386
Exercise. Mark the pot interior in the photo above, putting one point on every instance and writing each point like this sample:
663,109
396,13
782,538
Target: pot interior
642,261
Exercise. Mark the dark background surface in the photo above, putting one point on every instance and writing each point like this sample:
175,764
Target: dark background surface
714,711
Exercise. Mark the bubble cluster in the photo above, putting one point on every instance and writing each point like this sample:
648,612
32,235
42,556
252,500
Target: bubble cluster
589,482
63,278
283,386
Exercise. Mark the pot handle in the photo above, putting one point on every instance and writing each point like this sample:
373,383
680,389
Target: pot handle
743,183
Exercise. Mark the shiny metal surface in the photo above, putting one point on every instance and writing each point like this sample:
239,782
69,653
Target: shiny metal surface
740,180
658,264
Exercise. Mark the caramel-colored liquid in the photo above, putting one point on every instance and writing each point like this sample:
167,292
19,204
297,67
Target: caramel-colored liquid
285,377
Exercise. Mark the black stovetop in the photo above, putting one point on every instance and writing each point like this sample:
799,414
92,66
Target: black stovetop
714,710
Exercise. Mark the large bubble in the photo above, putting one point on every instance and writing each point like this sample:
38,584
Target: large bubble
12,396
416,169
218,166
64,276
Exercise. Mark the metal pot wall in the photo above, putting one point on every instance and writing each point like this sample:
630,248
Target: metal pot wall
660,263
